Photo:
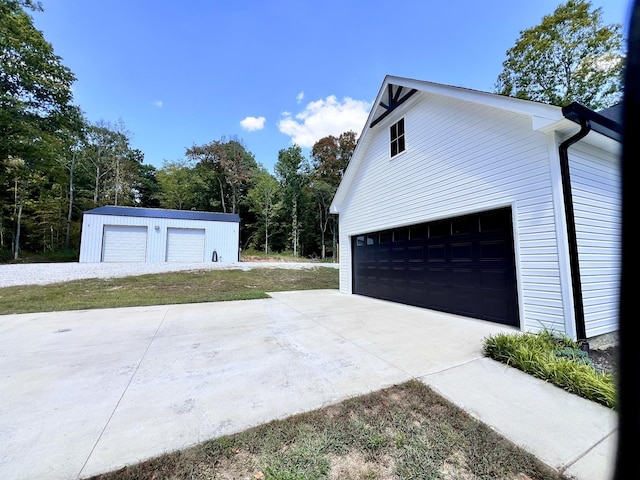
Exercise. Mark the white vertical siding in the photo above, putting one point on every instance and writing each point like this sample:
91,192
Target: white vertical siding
462,158
221,237
597,196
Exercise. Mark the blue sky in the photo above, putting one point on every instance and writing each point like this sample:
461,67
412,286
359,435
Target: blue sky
272,72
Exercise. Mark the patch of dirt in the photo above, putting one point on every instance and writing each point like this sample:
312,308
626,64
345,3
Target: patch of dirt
605,359
239,465
354,466
455,468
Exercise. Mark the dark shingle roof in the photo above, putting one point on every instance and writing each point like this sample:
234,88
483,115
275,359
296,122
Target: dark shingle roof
162,213
613,113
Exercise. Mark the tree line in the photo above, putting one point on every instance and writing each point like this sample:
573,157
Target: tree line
284,211
42,198
55,163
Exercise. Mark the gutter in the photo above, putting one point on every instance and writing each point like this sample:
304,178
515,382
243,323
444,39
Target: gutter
576,284
588,120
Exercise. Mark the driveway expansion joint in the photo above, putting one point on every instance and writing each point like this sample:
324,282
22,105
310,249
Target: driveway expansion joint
124,391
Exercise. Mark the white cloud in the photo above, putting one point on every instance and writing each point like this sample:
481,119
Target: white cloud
253,123
158,103
323,118
299,97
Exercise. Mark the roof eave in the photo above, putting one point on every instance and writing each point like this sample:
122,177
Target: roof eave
577,112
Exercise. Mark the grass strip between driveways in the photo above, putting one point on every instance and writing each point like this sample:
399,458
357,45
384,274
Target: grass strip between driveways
403,432
164,288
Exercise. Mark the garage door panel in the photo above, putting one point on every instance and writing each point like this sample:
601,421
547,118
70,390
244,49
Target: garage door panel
416,253
462,265
493,250
437,253
494,279
185,245
462,252
398,254
465,303
439,299
370,276
439,229
384,254
438,276
400,293
415,274
494,307
124,243
462,277
385,287
463,225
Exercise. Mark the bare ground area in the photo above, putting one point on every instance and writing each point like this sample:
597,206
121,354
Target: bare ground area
606,359
403,432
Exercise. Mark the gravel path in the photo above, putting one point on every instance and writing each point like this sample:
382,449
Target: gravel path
45,273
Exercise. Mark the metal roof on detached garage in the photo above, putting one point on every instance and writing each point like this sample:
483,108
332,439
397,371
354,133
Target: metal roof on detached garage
163,213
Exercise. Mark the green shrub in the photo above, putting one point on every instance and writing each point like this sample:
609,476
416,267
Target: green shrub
574,354
555,359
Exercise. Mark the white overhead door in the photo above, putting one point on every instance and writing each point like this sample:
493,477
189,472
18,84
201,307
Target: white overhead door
124,243
185,245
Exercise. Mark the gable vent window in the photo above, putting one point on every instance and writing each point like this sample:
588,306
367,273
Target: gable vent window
397,138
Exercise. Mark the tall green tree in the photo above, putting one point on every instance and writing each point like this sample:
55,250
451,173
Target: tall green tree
21,178
178,185
264,200
292,171
114,164
322,193
146,187
232,165
330,156
68,143
570,56
35,86
35,114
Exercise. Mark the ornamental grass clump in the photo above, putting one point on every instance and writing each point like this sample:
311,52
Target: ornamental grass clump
555,359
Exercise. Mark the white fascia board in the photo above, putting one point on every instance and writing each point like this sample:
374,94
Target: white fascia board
517,105
565,128
545,124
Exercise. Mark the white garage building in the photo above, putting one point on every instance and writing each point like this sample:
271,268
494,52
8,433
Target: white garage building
486,206
132,234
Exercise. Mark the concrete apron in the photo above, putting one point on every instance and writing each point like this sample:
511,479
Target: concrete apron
86,392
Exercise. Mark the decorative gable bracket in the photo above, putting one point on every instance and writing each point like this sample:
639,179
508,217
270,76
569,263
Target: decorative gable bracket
393,101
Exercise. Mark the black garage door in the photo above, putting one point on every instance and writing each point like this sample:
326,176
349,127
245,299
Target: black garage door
462,265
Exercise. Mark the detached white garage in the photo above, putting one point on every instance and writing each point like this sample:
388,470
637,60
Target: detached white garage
131,234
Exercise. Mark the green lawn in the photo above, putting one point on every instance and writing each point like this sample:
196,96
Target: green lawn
164,288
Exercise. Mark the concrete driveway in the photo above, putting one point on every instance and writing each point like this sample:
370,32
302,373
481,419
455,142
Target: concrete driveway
86,392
